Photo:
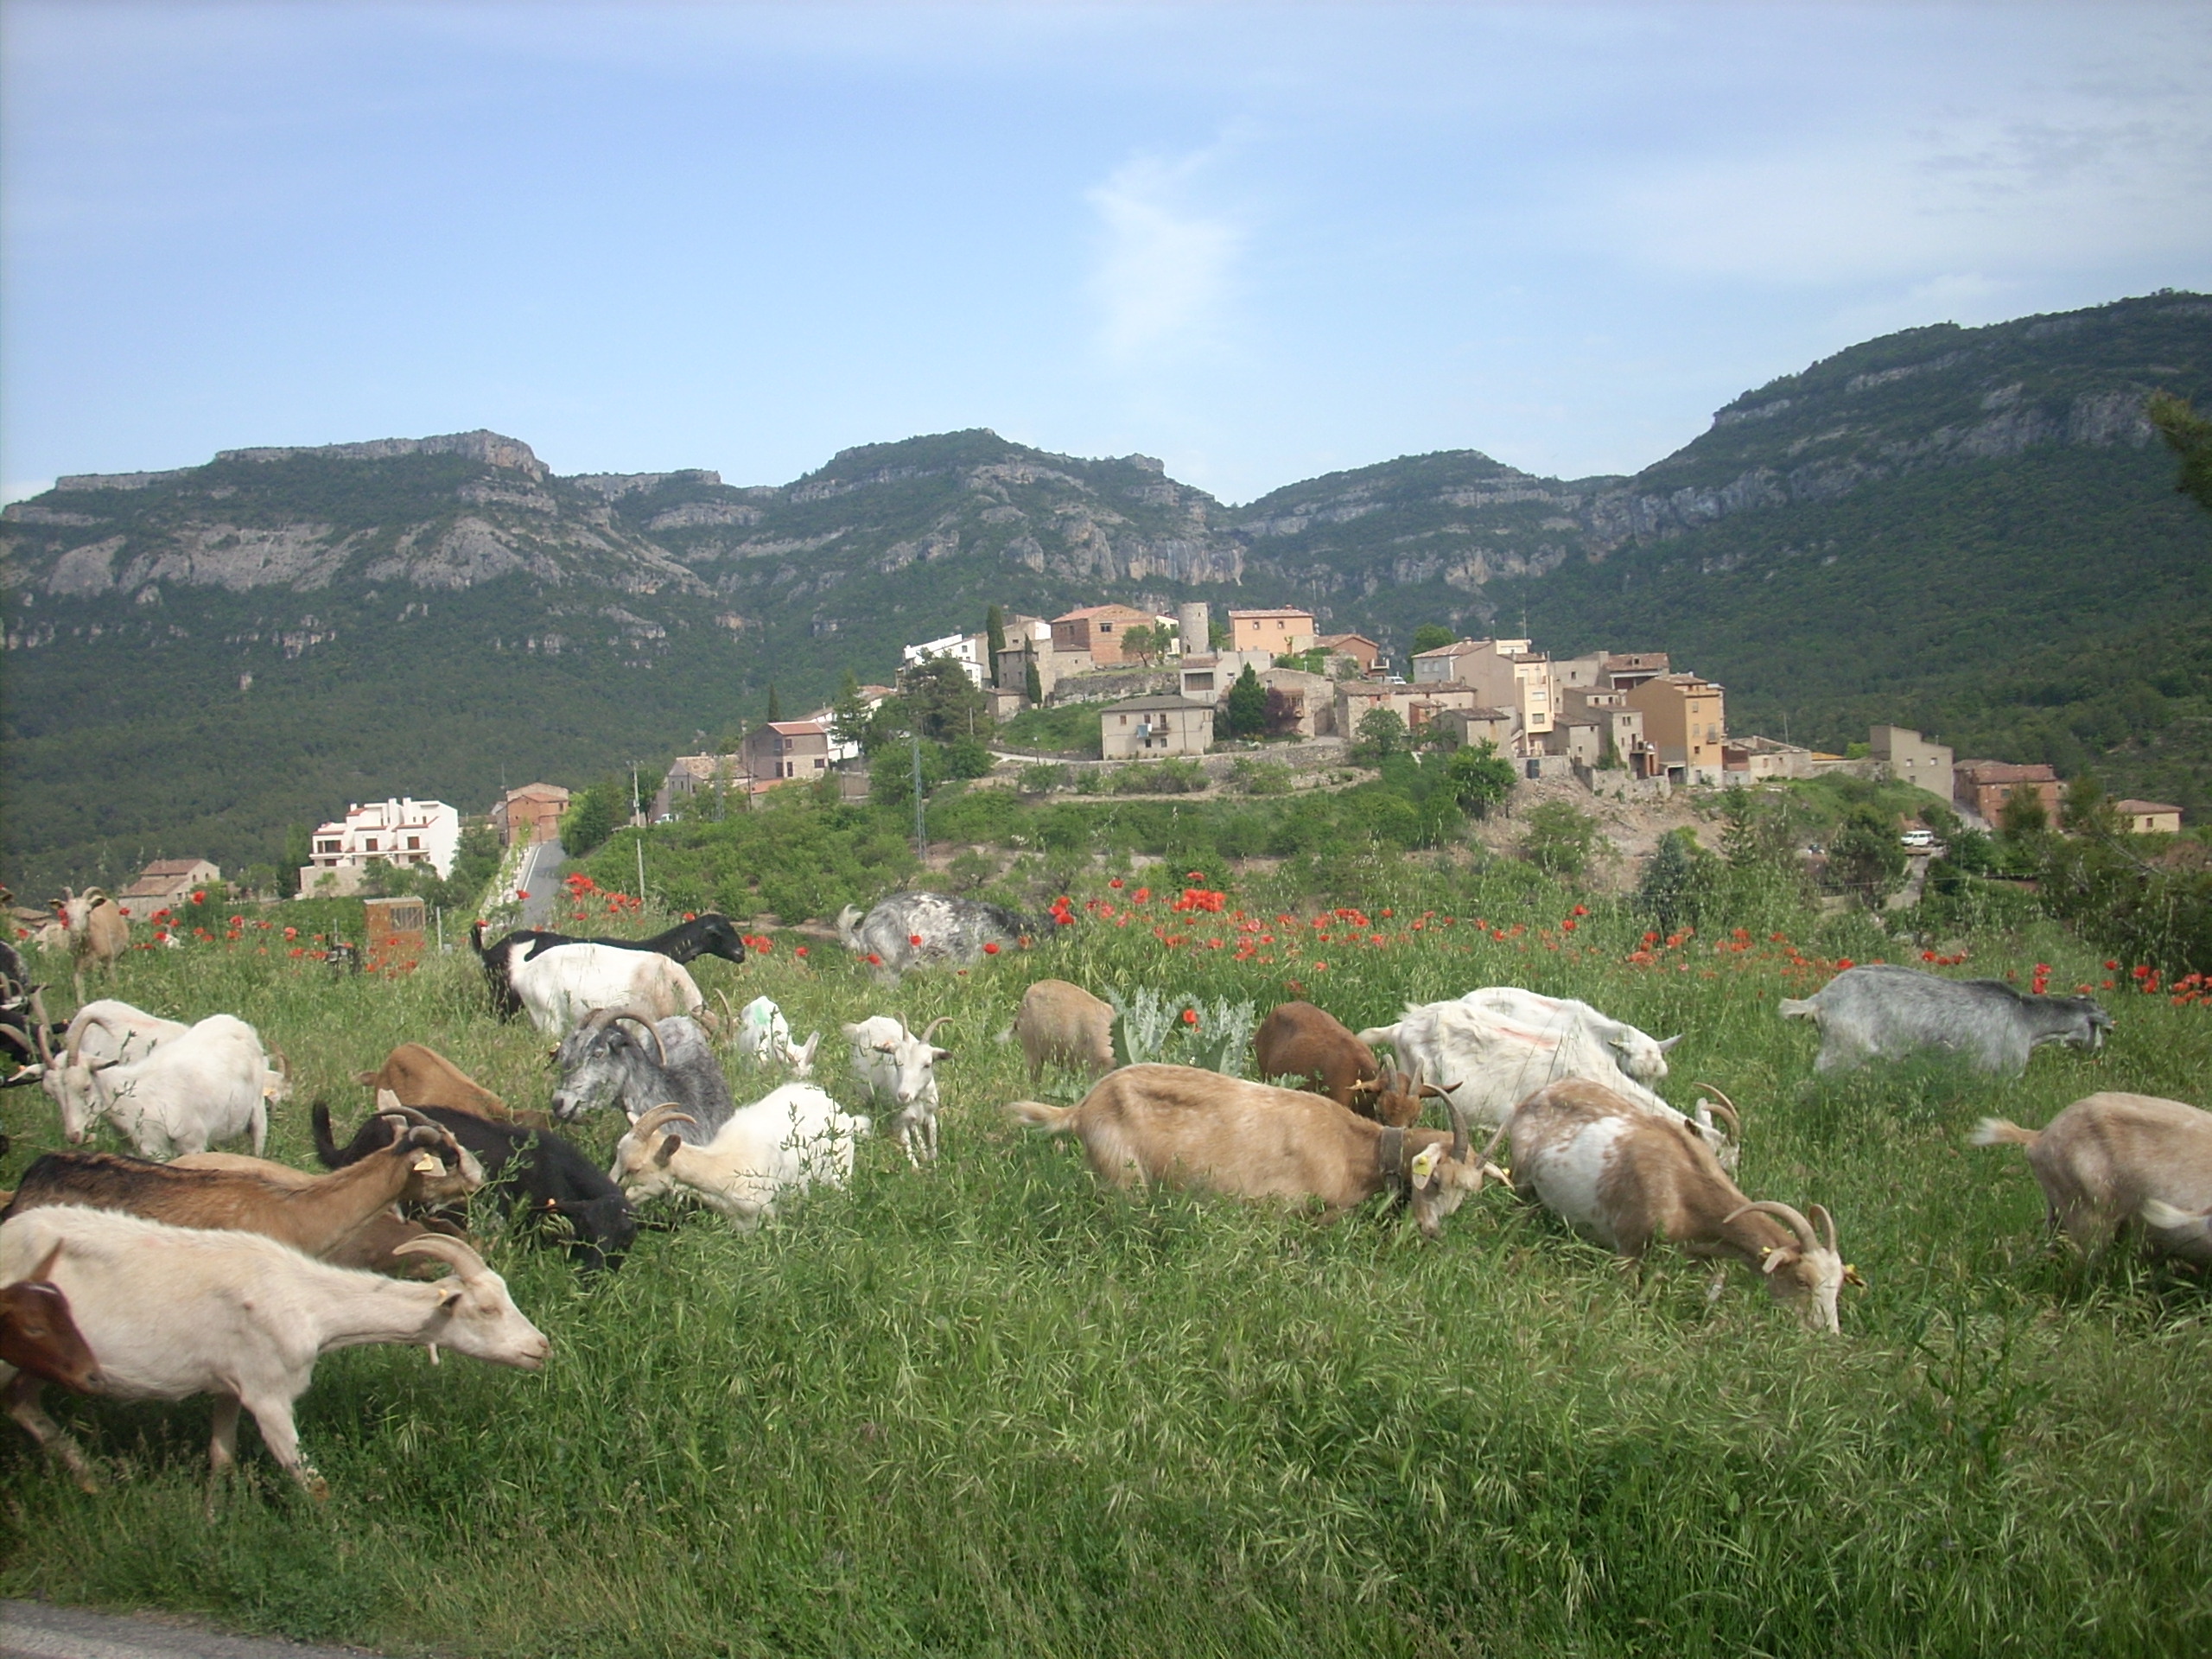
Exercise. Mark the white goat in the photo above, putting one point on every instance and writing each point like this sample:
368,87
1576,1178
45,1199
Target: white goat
100,1033
1630,1179
559,988
1501,1044
172,1311
210,1082
766,1037
2110,1158
899,1070
794,1137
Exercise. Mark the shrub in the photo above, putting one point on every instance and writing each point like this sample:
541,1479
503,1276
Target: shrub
1256,777
1042,777
1559,839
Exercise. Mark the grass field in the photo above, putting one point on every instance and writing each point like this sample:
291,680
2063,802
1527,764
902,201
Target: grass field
993,1408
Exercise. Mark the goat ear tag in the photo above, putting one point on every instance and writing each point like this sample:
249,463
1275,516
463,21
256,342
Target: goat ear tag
1424,1164
426,1165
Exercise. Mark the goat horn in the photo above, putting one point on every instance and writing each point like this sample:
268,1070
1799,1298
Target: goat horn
284,1065
466,1264
410,1117
1725,1108
652,1123
44,1274
22,1040
930,1030
40,1026
1430,1091
1826,1222
1463,1133
77,1035
596,1018
645,1024
1798,1224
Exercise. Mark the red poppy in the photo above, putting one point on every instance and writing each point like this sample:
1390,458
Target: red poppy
200,898
875,961
690,915
800,952
1116,882
913,938
1190,1016
522,893
990,948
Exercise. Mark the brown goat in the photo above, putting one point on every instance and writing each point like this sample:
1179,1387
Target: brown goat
37,1335
1299,1040
1062,1024
99,931
420,1077
374,1245
1179,1125
317,1217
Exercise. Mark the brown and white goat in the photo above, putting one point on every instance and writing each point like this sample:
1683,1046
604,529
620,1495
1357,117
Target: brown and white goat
99,931
1061,1024
2107,1158
1630,1179
374,1245
1190,1127
420,1077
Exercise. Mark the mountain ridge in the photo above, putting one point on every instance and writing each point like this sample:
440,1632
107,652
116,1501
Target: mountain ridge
576,620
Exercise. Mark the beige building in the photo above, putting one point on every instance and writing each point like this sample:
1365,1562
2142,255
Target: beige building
1208,675
1758,759
1474,724
1313,696
165,881
1278,631
1625,671
1685,719
786,751
1362,650
1504,674
2148,817
1149,727
1912,758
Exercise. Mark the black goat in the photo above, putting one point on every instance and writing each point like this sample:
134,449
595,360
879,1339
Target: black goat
535,1168
710,935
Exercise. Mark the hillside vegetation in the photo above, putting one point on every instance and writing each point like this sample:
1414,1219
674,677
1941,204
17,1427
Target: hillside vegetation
1973,529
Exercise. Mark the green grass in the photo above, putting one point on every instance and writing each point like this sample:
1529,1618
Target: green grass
993,1408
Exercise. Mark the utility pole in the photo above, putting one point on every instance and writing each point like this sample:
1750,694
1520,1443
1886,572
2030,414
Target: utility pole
921,835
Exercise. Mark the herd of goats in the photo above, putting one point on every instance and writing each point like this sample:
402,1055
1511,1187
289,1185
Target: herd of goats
186,1271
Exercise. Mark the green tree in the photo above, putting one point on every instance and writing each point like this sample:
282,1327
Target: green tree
1033,683
941,702
1141,643
1432,635
1480,779
592,815
2085,809
994,637
1678,883
850,719
891,774
969,756
298,846
2189,435
775,703
1244,711
1381,734
1864,856
1560,839
2023,816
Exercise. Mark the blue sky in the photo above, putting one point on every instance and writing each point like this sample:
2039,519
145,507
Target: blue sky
1260,243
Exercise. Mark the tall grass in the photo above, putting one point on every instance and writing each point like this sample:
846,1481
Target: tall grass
992,1409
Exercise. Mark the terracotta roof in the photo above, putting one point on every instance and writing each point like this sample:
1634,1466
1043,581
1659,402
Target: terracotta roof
2145,806
798,728
173,866
1147,705
1347,638
1457,648
1283,611
2006,772
1084,613
538,792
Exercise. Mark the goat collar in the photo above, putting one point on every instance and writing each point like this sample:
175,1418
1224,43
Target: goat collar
1390,1158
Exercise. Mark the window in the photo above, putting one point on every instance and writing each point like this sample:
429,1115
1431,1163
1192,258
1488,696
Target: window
327,846
414,843
370,845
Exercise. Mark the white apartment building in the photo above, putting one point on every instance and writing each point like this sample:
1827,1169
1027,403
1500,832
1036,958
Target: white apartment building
403,833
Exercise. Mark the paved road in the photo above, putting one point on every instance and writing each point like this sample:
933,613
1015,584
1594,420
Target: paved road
31,1629
541,879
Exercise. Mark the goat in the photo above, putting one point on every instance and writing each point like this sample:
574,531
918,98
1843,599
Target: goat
319,1217
710,935
374,1245
1501,1044
1060,1024
2108,1158
172,1311
619,1057
911,930
211,1082
1190,1127
1611,1168
899,1070
766,1037
39,1337
1299,1040
794,1137
535,1168
1884,1012
423,1078
560,987
99,1032
99,931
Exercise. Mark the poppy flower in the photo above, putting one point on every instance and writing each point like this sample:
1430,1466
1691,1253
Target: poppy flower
875,961
1116,882
690,915
800,952
913,938
1190,1016
990,947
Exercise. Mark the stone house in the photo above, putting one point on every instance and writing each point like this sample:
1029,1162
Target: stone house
1094,633
1980,787
1685,719
1358,646
1913,759
1757,759
1145,729
786,751
166,881
531,814
2148,817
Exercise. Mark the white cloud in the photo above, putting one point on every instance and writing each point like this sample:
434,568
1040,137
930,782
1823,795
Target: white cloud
1165,273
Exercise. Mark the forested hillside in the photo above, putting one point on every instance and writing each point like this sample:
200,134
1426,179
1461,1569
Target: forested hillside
1971,529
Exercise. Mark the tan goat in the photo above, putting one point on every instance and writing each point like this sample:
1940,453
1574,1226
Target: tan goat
2107,1158
1060,1024
420,1077
1188,1127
